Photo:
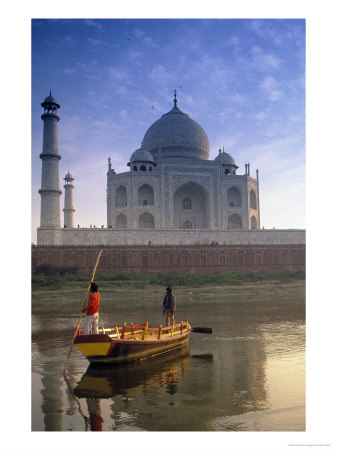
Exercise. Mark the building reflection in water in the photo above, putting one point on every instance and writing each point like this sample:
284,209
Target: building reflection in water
52,404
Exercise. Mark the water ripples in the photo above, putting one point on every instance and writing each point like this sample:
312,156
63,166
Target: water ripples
248,375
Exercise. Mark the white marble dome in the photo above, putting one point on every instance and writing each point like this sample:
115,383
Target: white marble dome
141,155
176,135
225,158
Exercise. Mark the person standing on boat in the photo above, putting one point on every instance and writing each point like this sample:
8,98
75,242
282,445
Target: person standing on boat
91,321
169,307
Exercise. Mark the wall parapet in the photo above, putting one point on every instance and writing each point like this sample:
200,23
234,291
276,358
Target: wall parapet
105,236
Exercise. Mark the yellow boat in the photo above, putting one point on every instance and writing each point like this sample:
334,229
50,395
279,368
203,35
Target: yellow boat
129,343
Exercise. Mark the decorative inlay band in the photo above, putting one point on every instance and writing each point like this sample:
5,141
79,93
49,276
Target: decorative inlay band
182,179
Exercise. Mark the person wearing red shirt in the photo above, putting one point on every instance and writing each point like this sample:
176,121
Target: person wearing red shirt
91,321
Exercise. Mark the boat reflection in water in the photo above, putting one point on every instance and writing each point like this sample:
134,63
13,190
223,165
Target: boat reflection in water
132,380
135,378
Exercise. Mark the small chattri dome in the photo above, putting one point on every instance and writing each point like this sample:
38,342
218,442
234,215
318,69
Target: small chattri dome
69,177
225,158
141,155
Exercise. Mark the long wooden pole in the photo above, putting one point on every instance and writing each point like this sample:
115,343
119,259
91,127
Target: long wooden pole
80,318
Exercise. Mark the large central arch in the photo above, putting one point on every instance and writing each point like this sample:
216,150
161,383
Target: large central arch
190,206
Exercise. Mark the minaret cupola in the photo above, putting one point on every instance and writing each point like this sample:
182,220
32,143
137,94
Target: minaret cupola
50,105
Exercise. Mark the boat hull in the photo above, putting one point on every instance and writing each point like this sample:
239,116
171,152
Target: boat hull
101,349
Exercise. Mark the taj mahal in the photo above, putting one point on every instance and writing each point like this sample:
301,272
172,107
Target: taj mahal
171,193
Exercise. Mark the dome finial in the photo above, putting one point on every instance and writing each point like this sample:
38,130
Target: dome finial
175,98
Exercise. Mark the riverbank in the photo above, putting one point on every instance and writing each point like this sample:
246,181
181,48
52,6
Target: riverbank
129,291
123,297
68,280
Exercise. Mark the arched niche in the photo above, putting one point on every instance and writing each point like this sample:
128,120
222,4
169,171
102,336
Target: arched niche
234,221
146,221
252,199
253,222
121,197
145,195
121,221
234,197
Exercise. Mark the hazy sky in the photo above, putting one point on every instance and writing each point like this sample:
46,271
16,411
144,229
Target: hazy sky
243,81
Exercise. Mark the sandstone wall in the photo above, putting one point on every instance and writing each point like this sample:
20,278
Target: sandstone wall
152,259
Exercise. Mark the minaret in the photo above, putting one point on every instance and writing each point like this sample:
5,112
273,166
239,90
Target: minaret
68,201
50,191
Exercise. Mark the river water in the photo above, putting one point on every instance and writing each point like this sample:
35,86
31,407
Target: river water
248,375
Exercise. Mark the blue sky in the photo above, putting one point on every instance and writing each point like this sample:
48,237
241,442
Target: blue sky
243,81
